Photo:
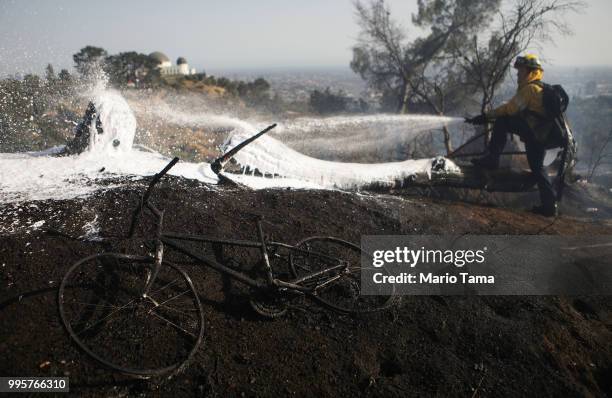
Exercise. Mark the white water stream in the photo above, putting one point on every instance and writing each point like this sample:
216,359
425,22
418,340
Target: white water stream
39,175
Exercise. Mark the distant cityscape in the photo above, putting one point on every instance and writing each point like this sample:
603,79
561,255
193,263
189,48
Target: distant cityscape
294,84
588,81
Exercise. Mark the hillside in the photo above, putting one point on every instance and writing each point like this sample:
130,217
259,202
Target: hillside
429,346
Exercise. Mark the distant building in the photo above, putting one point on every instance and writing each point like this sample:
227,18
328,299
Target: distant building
167,69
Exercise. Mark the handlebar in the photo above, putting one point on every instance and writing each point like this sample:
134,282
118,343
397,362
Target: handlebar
157,177
145,197
219,163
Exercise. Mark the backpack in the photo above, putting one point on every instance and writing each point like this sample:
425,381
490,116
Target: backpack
555,102
554,99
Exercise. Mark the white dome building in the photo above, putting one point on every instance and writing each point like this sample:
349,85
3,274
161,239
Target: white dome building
161,58
167,69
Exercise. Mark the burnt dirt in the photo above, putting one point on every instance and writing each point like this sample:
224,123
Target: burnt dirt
427,346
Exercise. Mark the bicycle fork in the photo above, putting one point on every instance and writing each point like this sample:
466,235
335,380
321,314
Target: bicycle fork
159,255
264,253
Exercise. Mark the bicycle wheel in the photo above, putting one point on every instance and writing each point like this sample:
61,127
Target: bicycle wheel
338,283
102,306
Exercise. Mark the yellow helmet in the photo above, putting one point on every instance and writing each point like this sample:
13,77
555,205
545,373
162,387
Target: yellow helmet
529,61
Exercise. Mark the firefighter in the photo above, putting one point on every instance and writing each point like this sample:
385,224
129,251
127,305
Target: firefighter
525,116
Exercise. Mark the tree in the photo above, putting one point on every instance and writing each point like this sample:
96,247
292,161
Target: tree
468,51
131,67
50,74
419,70
64,76
89,59
24,102
390,63
255,93
254,90
327,102
590,118
440,83
381,55
600,156
486,62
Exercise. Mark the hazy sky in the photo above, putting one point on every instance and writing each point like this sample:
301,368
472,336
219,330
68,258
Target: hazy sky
230,34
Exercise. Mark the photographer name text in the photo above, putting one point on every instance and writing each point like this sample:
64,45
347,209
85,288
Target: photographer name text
430,278
408,257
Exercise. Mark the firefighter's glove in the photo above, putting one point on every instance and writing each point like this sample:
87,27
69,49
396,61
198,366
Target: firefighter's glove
476,120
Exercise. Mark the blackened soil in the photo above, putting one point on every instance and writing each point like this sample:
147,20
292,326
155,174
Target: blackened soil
429,346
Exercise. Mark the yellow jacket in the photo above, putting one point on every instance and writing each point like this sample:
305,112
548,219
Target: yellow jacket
527,103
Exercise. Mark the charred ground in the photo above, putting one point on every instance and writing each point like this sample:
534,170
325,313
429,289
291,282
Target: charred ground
444,346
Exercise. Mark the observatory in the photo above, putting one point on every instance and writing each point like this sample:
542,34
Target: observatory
166,68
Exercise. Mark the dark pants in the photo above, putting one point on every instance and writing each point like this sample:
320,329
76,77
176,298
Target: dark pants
535,152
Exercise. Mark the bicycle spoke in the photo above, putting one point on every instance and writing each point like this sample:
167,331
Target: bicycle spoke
175,310
94,305
102,298
172,298
164,287
95,291
172,324
333,268
106,317
103,309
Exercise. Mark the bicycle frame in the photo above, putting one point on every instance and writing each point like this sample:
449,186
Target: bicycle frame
139,308
270,281
172,240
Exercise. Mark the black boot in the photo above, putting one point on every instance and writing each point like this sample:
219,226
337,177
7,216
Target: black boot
546,211
486,162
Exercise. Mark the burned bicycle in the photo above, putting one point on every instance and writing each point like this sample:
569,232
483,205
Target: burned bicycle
113,304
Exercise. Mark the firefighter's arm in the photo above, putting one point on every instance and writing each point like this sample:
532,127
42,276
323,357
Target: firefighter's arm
517,104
